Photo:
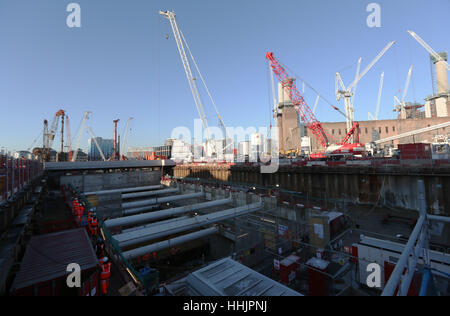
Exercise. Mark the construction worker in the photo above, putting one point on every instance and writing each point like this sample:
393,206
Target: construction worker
74,206
105,274
90,215
93,227
79,212
100,248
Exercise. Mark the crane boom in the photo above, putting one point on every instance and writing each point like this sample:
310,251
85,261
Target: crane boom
408,79
187,68
80,133
53,128
305,113
428,48
124,140
366,70
96,143
380,90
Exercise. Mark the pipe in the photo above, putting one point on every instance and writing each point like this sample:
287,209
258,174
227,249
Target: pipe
161,200
437,218
148,193
163,230
426,276
123,190
131,254
137,210
136,219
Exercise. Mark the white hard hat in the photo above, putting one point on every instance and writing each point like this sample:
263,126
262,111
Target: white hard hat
105,259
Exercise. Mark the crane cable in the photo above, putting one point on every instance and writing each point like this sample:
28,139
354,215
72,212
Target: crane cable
309,86
204,83
34,142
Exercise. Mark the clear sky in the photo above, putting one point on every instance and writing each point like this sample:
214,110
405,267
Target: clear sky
119,64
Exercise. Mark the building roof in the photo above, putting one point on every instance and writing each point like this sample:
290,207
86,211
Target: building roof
47,257
227,277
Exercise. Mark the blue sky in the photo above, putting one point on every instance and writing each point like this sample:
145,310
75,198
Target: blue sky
119,63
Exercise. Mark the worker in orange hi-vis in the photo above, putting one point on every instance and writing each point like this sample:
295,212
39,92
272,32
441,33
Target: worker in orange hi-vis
74,206
90,215
105,274
94,226
79,213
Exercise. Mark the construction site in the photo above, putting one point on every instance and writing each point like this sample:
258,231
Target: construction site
314,209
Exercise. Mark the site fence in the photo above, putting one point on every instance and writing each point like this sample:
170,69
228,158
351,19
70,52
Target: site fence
16,173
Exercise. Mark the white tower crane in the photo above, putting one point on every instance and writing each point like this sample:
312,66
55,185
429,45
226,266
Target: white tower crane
348,92
96,143
400,104
182,47
80,133
124,139
380,91
428,48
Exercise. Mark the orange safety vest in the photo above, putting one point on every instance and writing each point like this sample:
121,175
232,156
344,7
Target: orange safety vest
90,214
106,270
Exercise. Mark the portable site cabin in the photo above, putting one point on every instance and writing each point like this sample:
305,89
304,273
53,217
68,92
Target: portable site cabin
43,271
227,277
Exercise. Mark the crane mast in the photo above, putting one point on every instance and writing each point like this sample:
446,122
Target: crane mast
348,92
299,103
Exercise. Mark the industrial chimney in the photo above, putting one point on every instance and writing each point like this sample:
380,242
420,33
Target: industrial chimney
441,74
439,105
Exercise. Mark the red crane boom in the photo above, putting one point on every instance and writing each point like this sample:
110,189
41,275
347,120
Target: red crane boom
299,102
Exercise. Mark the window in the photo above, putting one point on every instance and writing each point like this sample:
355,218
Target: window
379,130
367,131
393,128
339,131
332,131
387,130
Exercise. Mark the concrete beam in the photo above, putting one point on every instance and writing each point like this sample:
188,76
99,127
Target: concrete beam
131,254
136,219
133,211
148,193
162,200
167,229
124,190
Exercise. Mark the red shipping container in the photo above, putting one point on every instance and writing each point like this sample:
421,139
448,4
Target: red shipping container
288,269
319,282
415,151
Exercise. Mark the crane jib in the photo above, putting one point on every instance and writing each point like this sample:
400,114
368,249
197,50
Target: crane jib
298,101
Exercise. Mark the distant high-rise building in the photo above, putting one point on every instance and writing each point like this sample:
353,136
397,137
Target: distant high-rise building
106,145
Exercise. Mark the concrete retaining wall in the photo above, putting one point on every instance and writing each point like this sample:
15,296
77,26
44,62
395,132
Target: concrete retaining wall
393,186
107,181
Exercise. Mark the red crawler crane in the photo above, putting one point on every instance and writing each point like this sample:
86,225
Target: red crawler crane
308,117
